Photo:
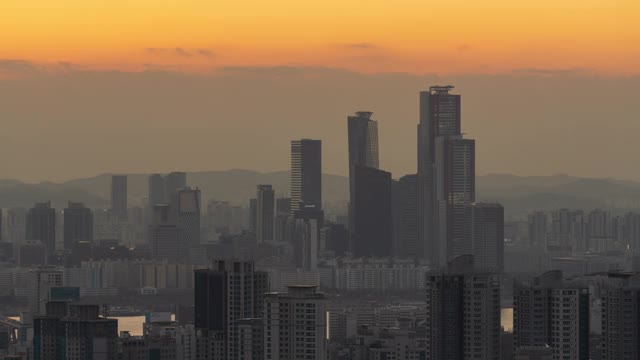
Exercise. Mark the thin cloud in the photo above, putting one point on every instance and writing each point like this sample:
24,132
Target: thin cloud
18,67
205,52
360,46
180,51
464,47
550,72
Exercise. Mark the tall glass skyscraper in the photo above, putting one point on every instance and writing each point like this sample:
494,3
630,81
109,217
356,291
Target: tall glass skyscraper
363,152
306,173
446,176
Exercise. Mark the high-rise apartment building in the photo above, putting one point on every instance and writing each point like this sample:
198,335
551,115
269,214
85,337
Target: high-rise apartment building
463,312
554,312
70,331
119,197
306,173
363,152
41,281
224,295
253,215
486,234
538,229
78,224
632,231
295,324
265,207
621,317
372,213
41,225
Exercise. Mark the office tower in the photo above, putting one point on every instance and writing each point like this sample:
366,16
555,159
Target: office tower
486,222
406,216
41,280
253,215
554,312
41,225
166,237
225,294
538,229
439,116
599,231
463,312
621,317
372,213
265,205
174,181
119,197
446,177
156,193
336,238
78,224
363,152
31,253
189,216
283,213
72,331
306,173
632,231
306,236
296,324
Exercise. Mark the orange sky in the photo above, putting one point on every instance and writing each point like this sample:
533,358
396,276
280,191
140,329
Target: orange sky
419,36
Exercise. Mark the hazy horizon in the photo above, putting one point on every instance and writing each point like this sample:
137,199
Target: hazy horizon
64,124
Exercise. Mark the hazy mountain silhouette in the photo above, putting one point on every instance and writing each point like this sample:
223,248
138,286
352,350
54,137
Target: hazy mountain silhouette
519,194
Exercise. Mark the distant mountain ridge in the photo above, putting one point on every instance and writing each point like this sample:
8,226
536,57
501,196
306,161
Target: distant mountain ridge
519,194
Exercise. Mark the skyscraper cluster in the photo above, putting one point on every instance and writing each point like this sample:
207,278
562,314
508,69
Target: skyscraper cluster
432,215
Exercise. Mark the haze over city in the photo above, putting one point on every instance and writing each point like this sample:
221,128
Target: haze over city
336,180
205,78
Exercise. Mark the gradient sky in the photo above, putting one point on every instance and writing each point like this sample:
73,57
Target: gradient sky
132,86
416,36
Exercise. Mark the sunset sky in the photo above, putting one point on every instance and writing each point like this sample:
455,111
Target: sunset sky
421,36
131,86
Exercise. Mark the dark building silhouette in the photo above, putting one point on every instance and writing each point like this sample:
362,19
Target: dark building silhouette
265,207
363,152
119,197
253,214
78,224
156,193
555,312
336,238
306,173
283,213
32,253
463,312
189,216
439,115
373,217
71,331
486,232
165,235
225,294
41,225
406,216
